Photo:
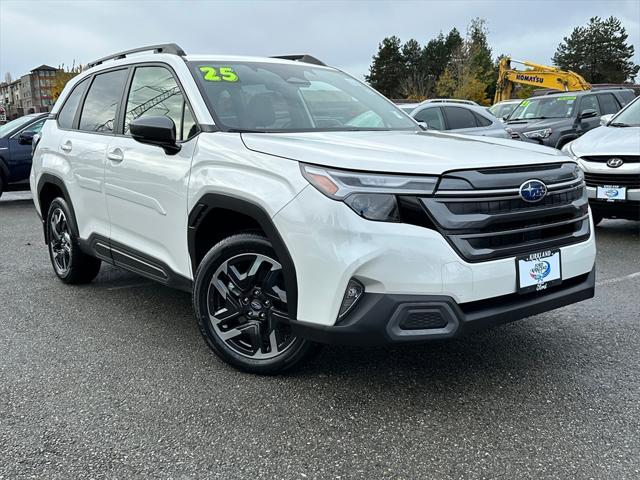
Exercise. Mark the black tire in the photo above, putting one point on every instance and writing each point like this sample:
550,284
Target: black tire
70,263
597,218
247,307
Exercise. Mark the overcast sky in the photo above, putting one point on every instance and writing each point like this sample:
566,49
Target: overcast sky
343,34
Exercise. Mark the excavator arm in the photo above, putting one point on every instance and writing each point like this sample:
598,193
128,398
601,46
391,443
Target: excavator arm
539,76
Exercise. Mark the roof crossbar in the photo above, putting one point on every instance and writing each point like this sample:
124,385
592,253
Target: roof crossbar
301,58
170,48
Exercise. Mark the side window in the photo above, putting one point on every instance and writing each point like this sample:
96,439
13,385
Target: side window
625,96
589,102
432,117
101,104
68,112
608,103
35,127
155,92
482,121
459,118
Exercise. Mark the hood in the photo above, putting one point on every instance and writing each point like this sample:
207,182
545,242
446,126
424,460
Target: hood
529,125
401,152
608,141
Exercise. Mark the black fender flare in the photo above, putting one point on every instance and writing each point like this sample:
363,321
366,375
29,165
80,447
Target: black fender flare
210,201
48,178
564,139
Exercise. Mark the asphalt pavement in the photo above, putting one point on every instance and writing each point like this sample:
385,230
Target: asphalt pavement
113,380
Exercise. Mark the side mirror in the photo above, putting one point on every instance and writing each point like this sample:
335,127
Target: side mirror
156,130
604,119
26,138
588,113
424,125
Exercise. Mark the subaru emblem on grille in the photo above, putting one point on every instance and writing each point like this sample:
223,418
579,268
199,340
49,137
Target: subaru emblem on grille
533,191
614,162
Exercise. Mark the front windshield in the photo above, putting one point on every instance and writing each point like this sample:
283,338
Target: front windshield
629,117
13,125
544,107
277,97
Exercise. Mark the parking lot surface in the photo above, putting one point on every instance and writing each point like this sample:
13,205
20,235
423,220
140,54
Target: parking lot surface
113,380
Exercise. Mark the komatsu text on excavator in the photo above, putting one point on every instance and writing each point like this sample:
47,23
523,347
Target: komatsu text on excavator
539,75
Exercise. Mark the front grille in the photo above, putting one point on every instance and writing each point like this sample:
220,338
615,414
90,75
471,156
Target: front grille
606,158
488,219
622,180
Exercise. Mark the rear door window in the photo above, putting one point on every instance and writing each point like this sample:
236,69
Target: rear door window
432,117
608,103
458,117
101,104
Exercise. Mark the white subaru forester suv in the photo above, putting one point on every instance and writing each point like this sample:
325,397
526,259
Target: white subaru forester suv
300,207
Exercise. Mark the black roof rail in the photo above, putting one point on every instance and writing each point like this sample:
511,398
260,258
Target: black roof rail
171,48
301,58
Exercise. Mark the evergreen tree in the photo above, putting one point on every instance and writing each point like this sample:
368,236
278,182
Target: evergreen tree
415,84
479,55
388,68
599,52
412,55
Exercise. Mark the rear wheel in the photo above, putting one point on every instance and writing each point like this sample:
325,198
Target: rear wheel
70,263
241,304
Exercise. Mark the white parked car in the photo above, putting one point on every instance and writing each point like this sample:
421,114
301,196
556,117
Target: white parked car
300,206
610,157
504,108
458,117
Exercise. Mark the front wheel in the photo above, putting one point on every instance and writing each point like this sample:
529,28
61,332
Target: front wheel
240,301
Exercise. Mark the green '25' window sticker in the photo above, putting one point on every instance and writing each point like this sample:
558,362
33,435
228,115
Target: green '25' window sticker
219,74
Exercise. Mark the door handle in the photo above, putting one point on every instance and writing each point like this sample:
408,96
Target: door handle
66,146
116,155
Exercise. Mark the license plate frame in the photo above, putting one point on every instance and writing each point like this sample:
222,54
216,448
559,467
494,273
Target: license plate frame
611,193
536,263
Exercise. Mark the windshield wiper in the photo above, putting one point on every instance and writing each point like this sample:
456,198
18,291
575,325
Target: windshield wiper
244,130
619,124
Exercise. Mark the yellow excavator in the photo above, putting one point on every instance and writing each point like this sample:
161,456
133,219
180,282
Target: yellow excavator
538,76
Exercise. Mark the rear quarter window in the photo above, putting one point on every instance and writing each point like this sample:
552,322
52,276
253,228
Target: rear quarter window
68,111
482,121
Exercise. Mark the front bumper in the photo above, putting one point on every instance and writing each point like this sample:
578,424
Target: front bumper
330,244
382,318
603,175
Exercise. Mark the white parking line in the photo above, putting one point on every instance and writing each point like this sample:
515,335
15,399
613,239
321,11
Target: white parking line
609,281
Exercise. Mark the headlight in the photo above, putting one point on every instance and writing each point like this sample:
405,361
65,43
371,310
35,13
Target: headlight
567,150
370,195
544,133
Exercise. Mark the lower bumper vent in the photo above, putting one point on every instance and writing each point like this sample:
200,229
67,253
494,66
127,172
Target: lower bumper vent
418,320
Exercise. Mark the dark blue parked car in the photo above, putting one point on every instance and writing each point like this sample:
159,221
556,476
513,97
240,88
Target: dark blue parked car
15,150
